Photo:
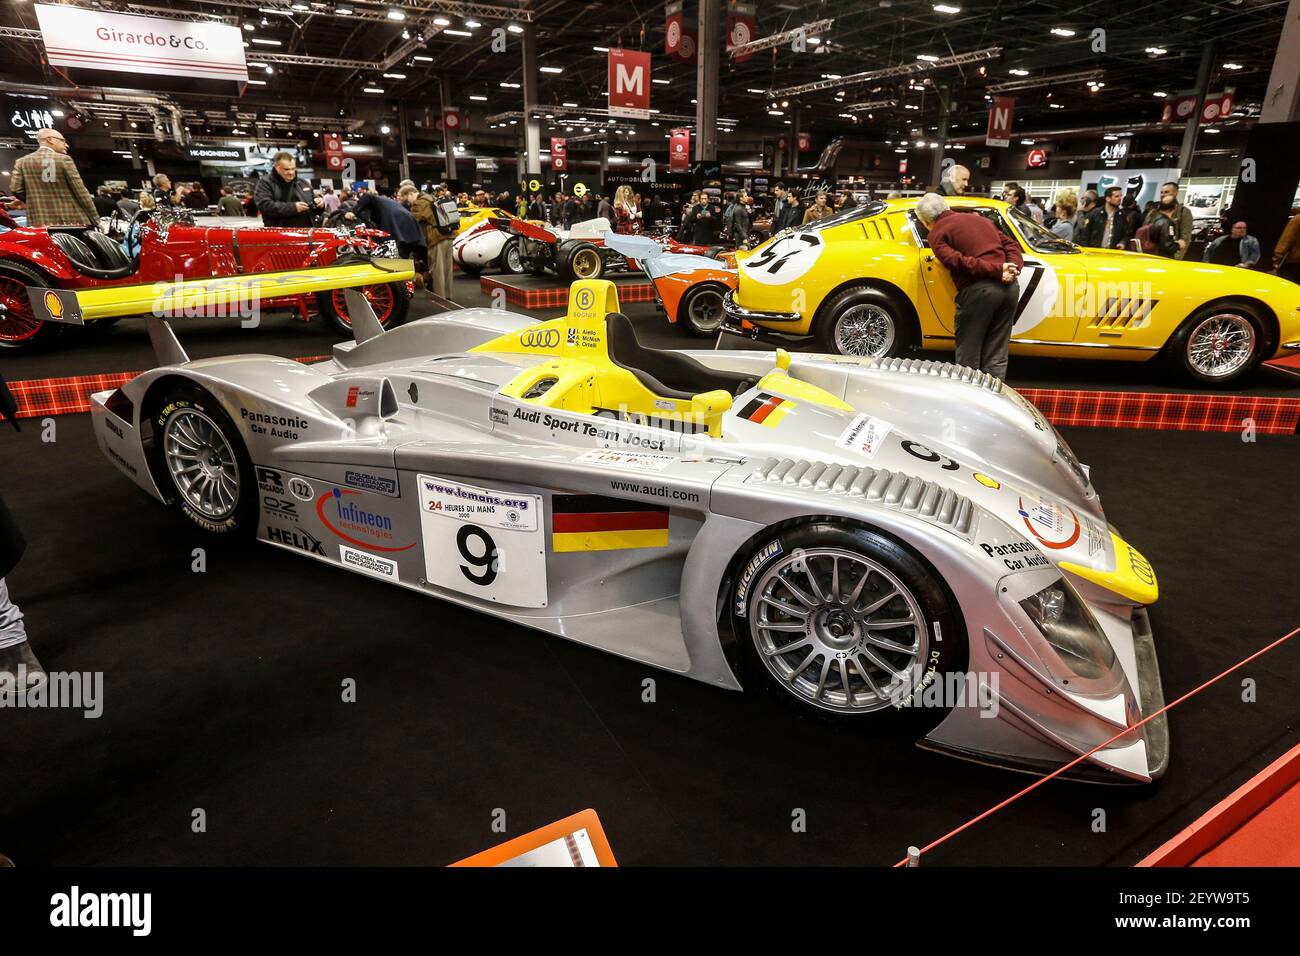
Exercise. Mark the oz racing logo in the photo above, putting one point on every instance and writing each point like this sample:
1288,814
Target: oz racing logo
540,338
785,260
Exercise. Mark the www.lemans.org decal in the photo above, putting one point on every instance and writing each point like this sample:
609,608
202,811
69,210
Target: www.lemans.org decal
351,515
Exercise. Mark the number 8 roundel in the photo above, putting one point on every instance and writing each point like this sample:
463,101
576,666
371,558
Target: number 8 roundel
785,260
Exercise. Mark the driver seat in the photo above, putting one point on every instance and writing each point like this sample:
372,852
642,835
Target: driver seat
93,254
669,374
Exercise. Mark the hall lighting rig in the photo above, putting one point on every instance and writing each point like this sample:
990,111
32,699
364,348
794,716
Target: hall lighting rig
1047,79
903,69
781,39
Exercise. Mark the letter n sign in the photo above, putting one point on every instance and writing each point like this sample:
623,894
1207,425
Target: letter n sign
1001,113
629,83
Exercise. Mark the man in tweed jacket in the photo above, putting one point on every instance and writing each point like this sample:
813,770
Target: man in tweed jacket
49,185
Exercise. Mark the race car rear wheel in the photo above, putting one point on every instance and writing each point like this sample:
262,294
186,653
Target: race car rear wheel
700,311
511,260
579,260
862,321
20,329
390,301
1219,344
203,462
846,622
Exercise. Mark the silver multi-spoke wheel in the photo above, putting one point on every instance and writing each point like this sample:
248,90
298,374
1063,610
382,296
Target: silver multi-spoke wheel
511,259
838,630
201,463
1221,345
704,311
865,329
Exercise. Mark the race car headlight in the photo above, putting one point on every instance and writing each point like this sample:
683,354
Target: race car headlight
1067,624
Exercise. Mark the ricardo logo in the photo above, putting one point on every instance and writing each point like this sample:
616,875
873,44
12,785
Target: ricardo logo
53,305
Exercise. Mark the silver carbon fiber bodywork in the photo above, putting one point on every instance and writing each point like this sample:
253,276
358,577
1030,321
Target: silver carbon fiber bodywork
361,460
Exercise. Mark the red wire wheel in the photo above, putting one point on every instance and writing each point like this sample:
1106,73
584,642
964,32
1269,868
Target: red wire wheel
380,298
18,324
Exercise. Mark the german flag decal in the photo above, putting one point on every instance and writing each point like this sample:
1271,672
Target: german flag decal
767,409
598,523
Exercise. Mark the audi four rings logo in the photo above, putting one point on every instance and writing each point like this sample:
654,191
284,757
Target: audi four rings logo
541,339
1141,567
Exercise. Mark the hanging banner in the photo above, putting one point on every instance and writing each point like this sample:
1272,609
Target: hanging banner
686,51
740,27
674,25
1002,112
451,119
332,143
559,155
805,142
85,39
679,151
1216,107
629,83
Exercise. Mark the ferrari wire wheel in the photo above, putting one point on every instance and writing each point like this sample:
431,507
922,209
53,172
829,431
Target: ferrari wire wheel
864,329
586,263
1221,345
838,630
201,463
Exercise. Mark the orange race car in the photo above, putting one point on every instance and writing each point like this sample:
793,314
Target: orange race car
688,288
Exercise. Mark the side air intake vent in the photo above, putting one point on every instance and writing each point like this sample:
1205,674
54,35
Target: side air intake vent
893,489
957,373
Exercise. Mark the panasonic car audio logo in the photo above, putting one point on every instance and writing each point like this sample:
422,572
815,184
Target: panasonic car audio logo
540,338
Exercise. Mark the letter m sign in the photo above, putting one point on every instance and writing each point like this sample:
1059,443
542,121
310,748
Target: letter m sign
629,83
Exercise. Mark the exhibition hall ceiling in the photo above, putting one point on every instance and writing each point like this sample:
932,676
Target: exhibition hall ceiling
1089,63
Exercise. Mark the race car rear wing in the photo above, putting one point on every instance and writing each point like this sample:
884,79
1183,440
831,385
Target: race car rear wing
202,296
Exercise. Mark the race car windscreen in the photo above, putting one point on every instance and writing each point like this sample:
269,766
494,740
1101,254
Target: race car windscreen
1038,238
865,211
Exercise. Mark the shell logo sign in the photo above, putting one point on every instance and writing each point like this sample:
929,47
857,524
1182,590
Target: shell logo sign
53,305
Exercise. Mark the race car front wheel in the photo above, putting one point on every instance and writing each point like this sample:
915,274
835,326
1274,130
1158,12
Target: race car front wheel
862,321
1218,345
203,462
390,301
700,311
846,622
511,260
20,329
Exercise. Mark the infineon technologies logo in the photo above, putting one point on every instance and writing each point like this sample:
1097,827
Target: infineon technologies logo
349,515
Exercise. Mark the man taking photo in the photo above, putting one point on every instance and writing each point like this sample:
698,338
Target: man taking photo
281,197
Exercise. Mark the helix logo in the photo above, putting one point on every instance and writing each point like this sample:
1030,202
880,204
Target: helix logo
540,338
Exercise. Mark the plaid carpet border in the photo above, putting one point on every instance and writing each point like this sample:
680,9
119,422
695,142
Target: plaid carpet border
558,297
39,397
1175,411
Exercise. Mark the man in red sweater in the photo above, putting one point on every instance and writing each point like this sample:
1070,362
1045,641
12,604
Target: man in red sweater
984,263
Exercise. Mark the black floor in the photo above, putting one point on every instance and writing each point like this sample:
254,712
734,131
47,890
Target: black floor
222,692
124,347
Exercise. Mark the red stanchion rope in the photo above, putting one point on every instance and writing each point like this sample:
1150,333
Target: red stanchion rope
1106,743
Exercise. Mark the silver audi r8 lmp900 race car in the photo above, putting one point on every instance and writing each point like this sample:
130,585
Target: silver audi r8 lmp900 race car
869,539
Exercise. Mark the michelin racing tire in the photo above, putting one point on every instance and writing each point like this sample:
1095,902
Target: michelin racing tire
875,618
201,462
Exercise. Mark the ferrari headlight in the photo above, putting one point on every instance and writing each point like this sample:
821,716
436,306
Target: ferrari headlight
1067,624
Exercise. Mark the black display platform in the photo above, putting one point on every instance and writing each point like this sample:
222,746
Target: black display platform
222,692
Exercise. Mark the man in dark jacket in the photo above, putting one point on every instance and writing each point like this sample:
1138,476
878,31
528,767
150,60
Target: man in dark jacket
281,197
396,220
791,213
1089,221
20,671
741,221
1113,233
702,223
983,262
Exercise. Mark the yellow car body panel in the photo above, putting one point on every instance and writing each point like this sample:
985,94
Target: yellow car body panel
1075,302
471,216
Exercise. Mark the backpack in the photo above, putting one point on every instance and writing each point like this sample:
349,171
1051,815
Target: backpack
447,216
1156,237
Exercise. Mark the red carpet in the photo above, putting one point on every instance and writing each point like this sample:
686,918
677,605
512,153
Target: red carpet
1270,838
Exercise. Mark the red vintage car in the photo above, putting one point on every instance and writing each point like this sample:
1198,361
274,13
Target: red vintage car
580,252
170,249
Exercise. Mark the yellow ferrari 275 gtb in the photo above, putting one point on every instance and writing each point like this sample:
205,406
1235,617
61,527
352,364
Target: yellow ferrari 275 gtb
864,282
